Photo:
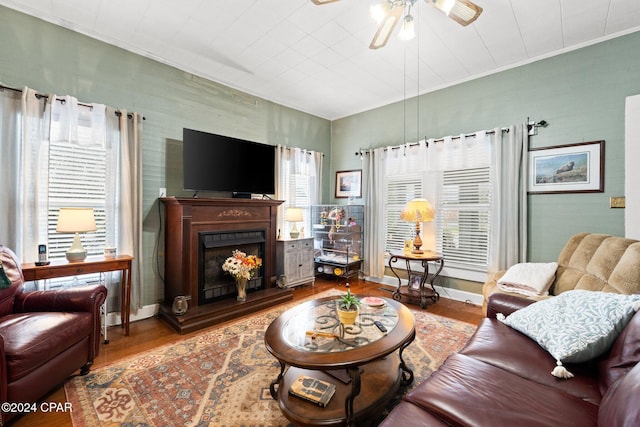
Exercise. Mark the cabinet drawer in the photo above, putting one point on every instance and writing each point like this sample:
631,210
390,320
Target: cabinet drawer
298,245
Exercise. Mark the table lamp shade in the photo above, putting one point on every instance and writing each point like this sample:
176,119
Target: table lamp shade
76,220
417,210
293,215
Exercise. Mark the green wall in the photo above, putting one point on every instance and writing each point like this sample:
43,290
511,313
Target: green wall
52,59
581,94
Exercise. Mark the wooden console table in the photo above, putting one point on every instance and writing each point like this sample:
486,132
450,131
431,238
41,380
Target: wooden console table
100,264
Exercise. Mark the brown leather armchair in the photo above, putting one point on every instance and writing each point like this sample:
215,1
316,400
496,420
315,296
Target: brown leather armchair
45,336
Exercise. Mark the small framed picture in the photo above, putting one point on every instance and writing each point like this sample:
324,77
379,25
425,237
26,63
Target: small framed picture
408,245
349,184
414,281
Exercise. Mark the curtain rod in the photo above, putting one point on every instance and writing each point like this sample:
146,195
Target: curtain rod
411,144
303,149
530,125
61,100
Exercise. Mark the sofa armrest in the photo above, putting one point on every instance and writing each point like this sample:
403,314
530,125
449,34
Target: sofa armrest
83,298
505,304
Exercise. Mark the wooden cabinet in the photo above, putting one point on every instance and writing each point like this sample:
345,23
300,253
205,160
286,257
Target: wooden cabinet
295,262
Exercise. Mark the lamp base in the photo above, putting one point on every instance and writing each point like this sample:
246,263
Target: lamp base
76,256
294,233
76,252
417,241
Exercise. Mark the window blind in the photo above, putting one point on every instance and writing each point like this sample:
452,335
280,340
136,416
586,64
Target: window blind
398,191
77,178
462,218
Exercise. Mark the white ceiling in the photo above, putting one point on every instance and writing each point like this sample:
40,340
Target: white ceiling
317,58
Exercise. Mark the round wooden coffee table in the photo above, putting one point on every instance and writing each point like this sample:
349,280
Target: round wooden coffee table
364,364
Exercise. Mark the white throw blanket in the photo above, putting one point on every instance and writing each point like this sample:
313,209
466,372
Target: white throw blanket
529,278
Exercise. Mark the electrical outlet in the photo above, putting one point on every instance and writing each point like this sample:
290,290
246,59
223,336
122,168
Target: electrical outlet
616,202
163,192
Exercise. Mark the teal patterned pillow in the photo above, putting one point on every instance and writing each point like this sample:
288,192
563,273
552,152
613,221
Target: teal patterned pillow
575,326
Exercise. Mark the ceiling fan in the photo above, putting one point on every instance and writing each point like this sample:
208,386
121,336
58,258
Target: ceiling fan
389,12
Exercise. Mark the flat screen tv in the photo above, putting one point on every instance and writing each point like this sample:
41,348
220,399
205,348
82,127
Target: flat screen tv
221,163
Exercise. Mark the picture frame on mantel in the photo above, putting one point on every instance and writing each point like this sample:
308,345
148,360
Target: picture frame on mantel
349,184
571,168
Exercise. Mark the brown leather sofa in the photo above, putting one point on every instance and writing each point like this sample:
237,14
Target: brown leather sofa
503,378
589,261
45,336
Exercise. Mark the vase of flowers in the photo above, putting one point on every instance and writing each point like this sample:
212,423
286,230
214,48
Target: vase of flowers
241,267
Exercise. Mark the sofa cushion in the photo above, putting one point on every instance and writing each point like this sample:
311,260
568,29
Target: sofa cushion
31,338
623,356
466,391
499,345
407,414
11,267
598,262
619,406
576,326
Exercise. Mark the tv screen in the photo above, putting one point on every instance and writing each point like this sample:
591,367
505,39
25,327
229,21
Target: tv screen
221,163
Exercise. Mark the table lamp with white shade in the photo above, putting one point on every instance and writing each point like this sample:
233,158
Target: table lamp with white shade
417,210
76,220
293,215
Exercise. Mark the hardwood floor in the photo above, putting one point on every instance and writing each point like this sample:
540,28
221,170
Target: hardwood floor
149,333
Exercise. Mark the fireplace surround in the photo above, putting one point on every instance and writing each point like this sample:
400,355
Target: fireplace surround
199,234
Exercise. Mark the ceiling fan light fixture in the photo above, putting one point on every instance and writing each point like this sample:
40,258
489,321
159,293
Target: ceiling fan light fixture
386,27
464,12
408,29
379,11
318,2
447,6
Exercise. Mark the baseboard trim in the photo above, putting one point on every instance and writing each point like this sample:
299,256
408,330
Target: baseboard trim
454,294
143,313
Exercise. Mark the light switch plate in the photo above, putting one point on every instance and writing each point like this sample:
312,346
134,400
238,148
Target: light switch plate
616,202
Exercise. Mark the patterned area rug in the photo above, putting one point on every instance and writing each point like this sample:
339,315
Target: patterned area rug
221,376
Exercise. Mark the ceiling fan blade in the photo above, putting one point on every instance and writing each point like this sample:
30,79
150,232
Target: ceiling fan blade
386,26
320,2
464,12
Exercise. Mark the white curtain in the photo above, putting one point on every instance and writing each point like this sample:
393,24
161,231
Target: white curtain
10,156
24,142
509,198
405,160
124,204
373,173
292,164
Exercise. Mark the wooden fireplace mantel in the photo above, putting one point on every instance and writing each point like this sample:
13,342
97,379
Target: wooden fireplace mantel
185,218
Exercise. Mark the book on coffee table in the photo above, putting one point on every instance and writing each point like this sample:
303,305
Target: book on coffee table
313,390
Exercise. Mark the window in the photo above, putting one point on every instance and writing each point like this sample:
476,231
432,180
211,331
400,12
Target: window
298,189
398,191
77,178
462,218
